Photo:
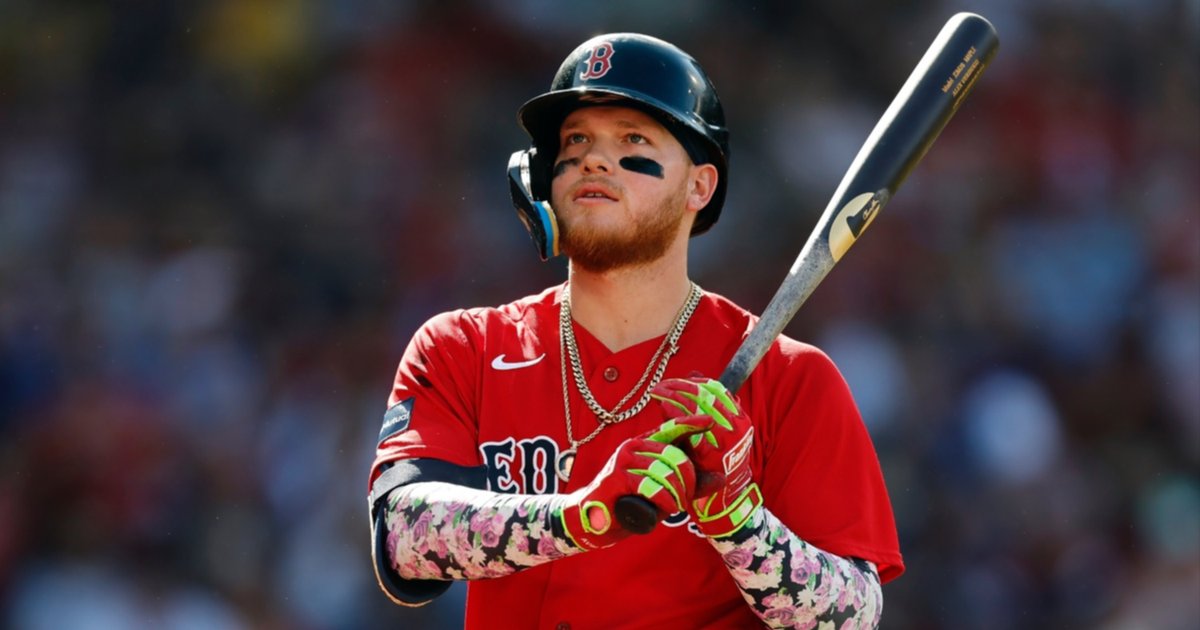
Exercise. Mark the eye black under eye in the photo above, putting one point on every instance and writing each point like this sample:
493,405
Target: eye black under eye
642,165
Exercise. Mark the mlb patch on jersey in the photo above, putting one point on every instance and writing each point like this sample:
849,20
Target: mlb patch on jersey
396,419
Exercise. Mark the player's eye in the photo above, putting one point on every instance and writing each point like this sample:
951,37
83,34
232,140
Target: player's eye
574,138
637,138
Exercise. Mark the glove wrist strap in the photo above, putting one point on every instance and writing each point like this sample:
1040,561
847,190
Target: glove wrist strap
735,515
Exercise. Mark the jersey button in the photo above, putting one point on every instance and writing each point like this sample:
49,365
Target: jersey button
611,374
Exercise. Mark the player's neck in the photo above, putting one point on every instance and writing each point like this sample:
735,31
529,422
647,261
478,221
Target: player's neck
625,307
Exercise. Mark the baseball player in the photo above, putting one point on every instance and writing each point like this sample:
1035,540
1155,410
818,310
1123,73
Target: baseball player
512,432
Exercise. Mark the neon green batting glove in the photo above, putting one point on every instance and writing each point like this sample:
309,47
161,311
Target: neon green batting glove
653,469
727,496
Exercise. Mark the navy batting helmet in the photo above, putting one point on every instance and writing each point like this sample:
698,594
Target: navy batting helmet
630,70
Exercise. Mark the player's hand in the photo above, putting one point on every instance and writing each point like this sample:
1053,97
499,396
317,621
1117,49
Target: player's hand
649,466
727,495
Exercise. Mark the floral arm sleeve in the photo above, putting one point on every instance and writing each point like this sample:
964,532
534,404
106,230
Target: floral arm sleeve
790,583
443,531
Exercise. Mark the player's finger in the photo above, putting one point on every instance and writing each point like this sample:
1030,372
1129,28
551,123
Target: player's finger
671,431
668,477
722,395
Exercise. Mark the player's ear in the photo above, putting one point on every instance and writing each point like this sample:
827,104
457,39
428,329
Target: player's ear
702,183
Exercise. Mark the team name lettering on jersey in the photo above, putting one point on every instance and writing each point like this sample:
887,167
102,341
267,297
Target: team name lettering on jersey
521,466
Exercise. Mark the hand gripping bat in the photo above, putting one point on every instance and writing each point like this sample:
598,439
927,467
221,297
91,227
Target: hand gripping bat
930,96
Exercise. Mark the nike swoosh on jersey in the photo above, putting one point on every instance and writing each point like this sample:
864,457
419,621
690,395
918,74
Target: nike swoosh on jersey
500,364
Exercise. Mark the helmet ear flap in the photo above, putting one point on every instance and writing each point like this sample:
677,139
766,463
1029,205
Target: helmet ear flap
529,187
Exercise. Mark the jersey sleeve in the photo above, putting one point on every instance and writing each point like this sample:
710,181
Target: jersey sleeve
820,474
430,425
432,409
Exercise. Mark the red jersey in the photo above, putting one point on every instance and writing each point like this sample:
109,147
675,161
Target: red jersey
483,387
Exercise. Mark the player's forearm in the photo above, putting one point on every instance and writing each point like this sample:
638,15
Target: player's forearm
792,583
445,531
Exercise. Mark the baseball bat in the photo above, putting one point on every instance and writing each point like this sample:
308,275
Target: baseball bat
926,102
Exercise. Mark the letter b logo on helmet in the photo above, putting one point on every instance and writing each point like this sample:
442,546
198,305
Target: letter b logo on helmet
598,62
630,70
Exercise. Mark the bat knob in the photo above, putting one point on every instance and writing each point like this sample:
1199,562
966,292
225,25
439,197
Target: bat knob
636,514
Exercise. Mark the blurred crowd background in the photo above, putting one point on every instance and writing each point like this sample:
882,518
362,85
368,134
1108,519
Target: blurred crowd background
220,223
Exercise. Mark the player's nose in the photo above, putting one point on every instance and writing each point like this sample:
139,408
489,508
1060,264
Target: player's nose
595,160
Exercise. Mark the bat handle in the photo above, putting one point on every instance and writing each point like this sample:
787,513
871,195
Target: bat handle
636,514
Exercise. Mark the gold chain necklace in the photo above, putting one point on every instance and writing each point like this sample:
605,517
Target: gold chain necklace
568,348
